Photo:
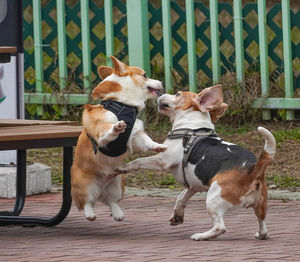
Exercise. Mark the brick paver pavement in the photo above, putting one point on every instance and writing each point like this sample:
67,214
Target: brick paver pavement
145,234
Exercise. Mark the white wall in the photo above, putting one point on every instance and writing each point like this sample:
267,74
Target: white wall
8,108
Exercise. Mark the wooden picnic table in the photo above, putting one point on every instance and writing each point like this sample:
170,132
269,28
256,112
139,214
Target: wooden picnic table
21,135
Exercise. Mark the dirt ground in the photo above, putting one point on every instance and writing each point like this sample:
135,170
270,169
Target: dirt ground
286,164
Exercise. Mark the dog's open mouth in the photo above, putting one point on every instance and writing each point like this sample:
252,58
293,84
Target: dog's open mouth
163,106
154,91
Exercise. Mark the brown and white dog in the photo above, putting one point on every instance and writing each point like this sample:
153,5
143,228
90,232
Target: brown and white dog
123,91
230,174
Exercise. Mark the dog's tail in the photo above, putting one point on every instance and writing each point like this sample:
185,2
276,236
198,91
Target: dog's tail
270,143
267,155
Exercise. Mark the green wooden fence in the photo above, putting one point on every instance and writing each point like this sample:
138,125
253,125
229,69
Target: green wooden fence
65,42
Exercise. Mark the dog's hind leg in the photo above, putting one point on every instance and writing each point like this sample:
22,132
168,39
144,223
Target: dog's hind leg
93,193
182,199
84,191
216,207
113,194
261,210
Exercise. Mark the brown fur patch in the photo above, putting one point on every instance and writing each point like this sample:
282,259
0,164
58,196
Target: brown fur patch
236,183
82,170
185,100
104,88
93,119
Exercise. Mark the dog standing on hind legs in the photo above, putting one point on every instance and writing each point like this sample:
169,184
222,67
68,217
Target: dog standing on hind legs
202,161
110,131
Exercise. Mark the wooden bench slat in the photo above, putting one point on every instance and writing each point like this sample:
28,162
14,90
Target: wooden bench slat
26,122
38,132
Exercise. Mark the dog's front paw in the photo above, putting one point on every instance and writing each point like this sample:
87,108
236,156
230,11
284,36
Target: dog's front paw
160,148
176,220
120,170
119,127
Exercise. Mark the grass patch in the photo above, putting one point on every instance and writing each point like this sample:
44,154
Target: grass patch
281,135
283,181
168,180
229,130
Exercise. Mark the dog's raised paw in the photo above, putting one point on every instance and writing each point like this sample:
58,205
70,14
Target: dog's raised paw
160,148
120,170
120,127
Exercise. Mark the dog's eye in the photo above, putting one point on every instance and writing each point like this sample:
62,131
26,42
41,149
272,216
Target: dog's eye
145,75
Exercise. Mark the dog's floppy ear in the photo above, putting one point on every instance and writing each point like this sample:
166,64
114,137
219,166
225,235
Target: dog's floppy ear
215,114
119,67
209,99
104,71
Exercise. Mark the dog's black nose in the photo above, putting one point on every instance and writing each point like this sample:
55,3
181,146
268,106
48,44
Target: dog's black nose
163,90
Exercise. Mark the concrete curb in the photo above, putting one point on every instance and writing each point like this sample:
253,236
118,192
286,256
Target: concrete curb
161,192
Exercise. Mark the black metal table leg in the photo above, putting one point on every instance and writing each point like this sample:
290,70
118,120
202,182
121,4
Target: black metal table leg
20,185
67,199
66,202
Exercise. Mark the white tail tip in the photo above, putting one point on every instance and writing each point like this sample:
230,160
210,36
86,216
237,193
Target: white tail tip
270,142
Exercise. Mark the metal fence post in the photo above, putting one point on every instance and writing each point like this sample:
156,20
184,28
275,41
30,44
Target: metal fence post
38,49
109,30
215,49
167,38
239,40
62,47
86,53
190,28
263,54
138,34
287,54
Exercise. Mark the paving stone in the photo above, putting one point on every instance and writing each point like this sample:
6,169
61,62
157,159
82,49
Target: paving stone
145,234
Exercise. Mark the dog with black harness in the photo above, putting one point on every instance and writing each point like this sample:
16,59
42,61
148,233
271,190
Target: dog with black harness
111,132
201,161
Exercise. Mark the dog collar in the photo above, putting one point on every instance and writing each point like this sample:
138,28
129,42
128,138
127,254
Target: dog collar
123,112
190,138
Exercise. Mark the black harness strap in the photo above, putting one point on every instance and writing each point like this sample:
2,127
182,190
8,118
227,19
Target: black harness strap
123,112
190,138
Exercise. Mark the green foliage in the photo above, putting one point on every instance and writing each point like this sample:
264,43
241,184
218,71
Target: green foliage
283,181
167,180
282,135
228,129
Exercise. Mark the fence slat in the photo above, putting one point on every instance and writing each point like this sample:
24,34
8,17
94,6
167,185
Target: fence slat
85,34
190,28
287,53
109,30
239,40
46,98
263,54
62,47
38,50
215,49
277,103
167,38
38,45
138,34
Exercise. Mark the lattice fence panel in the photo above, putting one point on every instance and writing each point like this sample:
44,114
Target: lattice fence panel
179,45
